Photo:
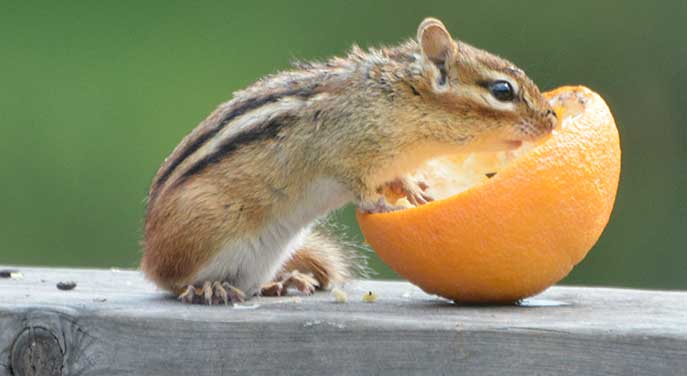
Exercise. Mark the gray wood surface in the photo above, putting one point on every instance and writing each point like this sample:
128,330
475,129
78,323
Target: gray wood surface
115,323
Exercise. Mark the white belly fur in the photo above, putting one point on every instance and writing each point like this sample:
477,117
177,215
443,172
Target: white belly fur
251,262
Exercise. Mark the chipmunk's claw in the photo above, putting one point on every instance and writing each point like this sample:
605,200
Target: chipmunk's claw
273,288
212,292
379,206
305,283
414,191
187,295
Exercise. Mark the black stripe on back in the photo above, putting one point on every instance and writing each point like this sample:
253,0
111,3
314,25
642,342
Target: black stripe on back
238,111
265,131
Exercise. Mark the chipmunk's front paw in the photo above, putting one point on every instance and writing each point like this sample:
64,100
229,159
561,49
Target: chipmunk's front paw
302,282
378,206
414,191
212,292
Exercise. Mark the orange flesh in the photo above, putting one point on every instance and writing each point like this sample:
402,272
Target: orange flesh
504,238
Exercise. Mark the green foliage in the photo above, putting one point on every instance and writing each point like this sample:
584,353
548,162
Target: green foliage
95,95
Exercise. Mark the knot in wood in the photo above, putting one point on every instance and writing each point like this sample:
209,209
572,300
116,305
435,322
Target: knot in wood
36,351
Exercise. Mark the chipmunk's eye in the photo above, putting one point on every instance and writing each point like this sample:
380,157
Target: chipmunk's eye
502,90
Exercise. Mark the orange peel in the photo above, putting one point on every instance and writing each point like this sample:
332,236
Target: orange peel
507,237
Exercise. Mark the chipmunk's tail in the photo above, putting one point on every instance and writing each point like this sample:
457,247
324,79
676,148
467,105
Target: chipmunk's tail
330,260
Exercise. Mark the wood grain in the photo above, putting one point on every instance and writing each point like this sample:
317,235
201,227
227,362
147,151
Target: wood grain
115,323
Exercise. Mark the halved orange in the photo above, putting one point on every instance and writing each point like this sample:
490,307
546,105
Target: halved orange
507,237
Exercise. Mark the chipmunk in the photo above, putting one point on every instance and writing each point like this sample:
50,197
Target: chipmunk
232,211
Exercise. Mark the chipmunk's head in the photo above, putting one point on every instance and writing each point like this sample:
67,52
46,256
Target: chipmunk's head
486,101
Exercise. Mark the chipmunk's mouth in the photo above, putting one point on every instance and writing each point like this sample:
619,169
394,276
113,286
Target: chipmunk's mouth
513,144
528,131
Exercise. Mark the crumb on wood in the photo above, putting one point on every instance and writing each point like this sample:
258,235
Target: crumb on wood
66,286
340,296
370,297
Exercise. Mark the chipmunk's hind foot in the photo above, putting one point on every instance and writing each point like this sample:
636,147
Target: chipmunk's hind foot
212,292
302,282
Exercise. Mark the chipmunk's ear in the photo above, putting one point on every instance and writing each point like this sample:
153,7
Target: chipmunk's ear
435,41
437,45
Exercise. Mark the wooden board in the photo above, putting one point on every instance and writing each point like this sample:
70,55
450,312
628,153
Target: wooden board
115,323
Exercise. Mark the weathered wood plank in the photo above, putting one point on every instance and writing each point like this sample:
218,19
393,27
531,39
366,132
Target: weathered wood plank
115,323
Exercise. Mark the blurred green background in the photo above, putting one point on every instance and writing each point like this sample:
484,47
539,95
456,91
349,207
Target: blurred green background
94,95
